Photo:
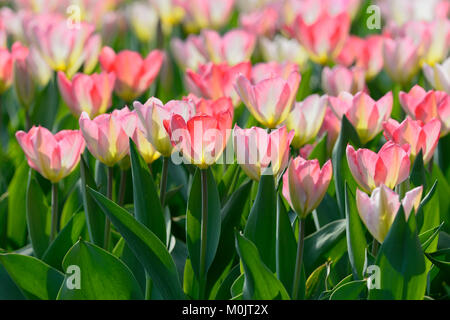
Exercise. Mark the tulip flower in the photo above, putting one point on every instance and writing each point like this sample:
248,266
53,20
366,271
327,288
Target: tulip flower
152,118
145,148
418,135
214,81
325,37
269,101
189,54
134,75
340,79
259,152
401,11
332,127
3,35
170,11
390,166
143,20
262,22
211,107
306,119
425,106
233,47
305,184
6,69
281,49
439,75
401,59
206,14
107,135
262,71
378,211
365,114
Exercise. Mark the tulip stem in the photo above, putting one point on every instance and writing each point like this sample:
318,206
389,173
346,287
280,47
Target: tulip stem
54,214
109,192
299,259
204,232
375,246
163,183
122,188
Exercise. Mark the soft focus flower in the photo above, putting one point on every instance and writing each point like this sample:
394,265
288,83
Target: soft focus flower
202,138
53,156
439,75
203,14
134,75
233,47
340,79
145,148
3,35
426,106
154,114
87,93
107,135
305,184
143,20
378,211
418,135
214,81
189,54
263,71
6,69
262,22
365,114
306,119
281,49
390,166
401,59
170,11
24,83
260,153
332,127
269,100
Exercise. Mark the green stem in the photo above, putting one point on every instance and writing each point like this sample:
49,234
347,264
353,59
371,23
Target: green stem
375,246
204,232
54,214
109,196
163,184
148,287
299,259
122,188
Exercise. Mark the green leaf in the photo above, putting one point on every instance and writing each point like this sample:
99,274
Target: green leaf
17,224
35,279
260,282
349,291
237,287
261,225
320,151
418,176
316,283
441,259
102,275
356,239
8,289
147,206
38,216
224,292
194,221
72,205
147,247
190,283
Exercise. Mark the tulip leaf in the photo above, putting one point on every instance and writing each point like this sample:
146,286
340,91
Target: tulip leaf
101,276
441,259
320,151
194,221
262,221
17,224
418,175
260,282
36,279
224,292
38,216
147,206
147,247
356,239
8,289
316,282
349,291
443,191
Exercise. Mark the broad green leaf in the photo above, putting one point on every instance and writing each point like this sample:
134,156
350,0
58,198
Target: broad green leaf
418,175
36,279
17,224
72,205
260,282
349,291
237,287
147,206
102,275
190,283
441,259
316,282
320,151
8,289
194,222
224,292
147,247
443,191
261,225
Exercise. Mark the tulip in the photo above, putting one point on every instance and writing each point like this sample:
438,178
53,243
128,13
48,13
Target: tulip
401,59
6,69
134,75
325,37
169,11
145,148
332,127
107,135
306,118
390,166
378,211
262,22
214,81
439,75
365,114
189,54
425,106
259,152
234,47
143,20
281,49
3,35
418,135
305,184
340,79
262,71
206,14
211,107
269,101
24,83
401,11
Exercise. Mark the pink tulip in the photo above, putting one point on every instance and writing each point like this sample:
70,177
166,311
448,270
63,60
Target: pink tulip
401,59
211,107
262,71
426,106
439,75
134,75
53,156
365,114
214,81
340,79
271,100
191,53
305,184
260,153
3,35
378,211
332,127
418,135
263,22
233,47
145,148
107,135
390,166
91,94
6,69
154,117
203,14
281,49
